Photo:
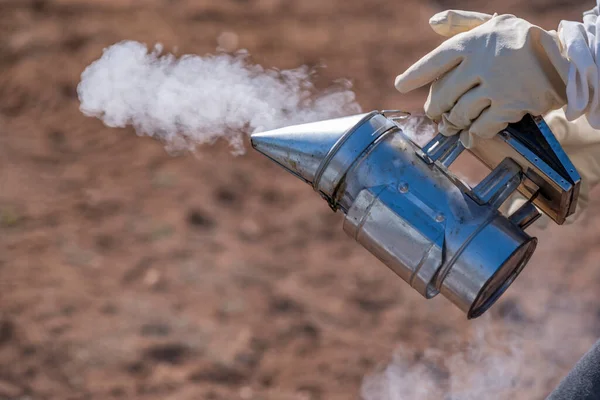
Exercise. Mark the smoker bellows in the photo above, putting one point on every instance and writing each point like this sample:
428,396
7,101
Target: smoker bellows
403,204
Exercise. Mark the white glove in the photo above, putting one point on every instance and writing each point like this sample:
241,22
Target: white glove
579,139
490,76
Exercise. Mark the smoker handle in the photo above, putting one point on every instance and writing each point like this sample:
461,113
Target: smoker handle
502,181
443,149
446,149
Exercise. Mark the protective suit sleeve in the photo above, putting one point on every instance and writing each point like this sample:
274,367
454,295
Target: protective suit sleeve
582,46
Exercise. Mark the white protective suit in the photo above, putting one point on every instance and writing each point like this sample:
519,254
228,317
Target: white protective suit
495,69
582,48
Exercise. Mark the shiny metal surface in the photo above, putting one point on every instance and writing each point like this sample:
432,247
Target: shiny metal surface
526,215
347,150
502,279
499,184
531,144
443,149
413,254
405,207
483,268
301,149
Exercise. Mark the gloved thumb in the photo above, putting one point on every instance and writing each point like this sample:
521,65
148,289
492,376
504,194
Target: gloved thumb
452,22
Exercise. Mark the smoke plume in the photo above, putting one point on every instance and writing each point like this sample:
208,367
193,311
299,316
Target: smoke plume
191,100
418,128
520,350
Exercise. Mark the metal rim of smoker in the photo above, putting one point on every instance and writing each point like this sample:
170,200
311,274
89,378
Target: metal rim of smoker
495,287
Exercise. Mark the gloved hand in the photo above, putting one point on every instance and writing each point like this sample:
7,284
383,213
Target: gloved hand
489,76
579,139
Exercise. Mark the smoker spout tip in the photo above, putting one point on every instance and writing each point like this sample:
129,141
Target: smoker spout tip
302,148
264,142
252,142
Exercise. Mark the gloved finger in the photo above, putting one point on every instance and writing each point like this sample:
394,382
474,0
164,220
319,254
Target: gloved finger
447,128
467,139
435,64
466,110
492,121
446,91
452,22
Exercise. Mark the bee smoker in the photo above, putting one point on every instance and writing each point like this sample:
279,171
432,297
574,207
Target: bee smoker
403,204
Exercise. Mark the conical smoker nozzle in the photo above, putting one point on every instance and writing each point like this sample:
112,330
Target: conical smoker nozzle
302,148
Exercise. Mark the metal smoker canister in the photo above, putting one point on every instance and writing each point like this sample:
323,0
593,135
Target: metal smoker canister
403,205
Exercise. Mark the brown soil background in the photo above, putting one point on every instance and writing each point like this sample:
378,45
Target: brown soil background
126,273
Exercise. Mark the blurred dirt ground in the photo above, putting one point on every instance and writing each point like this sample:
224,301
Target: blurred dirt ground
129,274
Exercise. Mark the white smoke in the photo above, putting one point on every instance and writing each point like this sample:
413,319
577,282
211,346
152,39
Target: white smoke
486,364
522,355
188,101
192,100
418,128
